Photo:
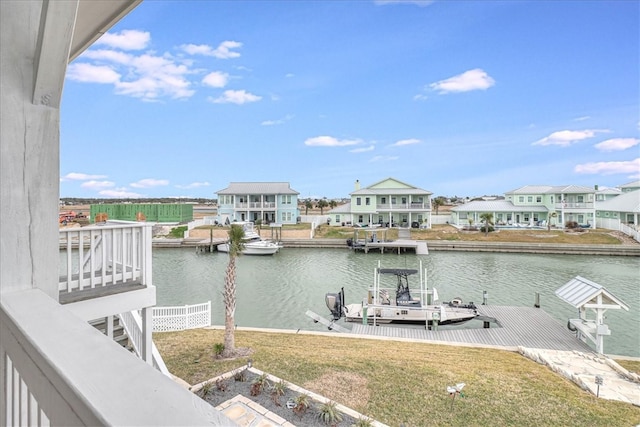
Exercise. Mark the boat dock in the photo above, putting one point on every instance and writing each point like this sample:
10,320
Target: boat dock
375,238
516,326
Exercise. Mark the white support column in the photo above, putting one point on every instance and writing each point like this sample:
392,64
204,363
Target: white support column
109,326
147,330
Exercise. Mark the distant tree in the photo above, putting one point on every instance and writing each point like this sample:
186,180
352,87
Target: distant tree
236,245
487,219
322,203
437,202
308,204
332,203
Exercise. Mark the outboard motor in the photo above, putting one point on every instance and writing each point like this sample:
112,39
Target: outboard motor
335,303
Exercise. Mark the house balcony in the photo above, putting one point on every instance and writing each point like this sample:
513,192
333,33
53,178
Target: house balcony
106,269
414,206
574,206
255,205
57,369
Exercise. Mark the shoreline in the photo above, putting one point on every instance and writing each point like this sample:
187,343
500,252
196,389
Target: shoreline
440,245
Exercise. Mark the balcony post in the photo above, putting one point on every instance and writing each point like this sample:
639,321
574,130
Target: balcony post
147,330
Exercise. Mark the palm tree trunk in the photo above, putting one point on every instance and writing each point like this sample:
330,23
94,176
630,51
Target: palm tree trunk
229,297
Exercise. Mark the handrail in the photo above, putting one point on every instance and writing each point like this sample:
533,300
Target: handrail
132,323
58,370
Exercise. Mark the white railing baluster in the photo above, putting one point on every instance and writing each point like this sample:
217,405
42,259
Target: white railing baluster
69,262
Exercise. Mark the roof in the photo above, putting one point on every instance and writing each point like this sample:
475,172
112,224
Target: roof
609,190
580,291
631,184
93,19
551,189
343,208
408,190
625,202
258,188
497,206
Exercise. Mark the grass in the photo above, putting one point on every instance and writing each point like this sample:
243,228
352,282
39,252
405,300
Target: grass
397,382
448,232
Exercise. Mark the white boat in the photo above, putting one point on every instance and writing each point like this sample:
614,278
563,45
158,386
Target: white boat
253,243
399,304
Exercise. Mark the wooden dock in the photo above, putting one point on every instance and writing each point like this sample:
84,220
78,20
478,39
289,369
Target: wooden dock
517,326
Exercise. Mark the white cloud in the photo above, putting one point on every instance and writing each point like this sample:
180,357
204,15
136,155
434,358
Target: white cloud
94,185
126,40
383,158
610,168
216,79
149,182
223,51
581,119
89,73
120,193
476,79
329,141
193,185
289,75
420,3
420,97
236,97
277,122
403,142
617,144
564,138
363,149
76,176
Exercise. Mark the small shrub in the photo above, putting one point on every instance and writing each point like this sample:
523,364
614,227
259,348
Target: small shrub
221,384
571,225
329,414
259,384
302,404
240,376
218,349
178,232
362,422
277,390
206,390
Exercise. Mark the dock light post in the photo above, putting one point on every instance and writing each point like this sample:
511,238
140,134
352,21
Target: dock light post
599,382
485,296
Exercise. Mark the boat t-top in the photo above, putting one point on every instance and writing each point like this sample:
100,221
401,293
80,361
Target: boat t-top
399,304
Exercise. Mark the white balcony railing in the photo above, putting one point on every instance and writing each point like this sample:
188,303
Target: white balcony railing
403,206
255,205
105,255
58,370
574,205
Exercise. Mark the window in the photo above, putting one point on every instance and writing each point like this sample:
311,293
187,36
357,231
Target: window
358,201
551,199
529,199
383,200
360,219
380,219
521,199
404,200
538,199
526,217
337,219
580,199
367,201
286,199
393,200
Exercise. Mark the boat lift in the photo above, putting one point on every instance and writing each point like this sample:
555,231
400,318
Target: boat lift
584,294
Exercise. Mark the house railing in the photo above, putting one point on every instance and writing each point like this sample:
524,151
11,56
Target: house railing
179,318
403,206
105,255
255,205
574,205
630,231
132,322
56,369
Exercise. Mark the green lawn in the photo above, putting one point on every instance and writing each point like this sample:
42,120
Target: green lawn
405,383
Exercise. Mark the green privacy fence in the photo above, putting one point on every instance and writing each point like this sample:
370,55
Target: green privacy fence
159,212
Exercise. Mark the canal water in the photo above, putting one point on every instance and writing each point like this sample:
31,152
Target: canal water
276,291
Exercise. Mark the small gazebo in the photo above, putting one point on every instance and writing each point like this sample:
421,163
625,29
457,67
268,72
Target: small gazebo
584,294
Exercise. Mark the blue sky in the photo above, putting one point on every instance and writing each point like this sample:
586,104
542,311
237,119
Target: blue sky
460,98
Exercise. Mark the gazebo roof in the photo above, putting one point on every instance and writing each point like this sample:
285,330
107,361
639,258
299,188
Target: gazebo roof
580,291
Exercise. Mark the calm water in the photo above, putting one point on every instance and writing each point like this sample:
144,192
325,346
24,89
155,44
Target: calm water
275,292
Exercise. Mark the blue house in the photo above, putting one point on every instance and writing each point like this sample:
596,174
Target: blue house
268,202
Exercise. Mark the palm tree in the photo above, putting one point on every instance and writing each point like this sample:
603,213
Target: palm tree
307,205
487,218
437,202
322,203
236,245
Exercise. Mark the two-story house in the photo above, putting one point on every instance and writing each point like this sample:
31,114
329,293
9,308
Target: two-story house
534,205
268,202
389,202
